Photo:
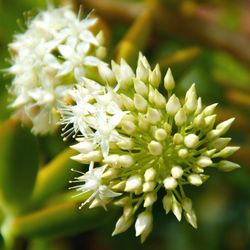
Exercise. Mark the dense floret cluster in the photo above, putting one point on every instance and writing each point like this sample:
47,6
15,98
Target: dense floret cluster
138,140
48,59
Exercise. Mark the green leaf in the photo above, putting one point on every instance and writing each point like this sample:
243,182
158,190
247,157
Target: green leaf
18,164
58,220
53,177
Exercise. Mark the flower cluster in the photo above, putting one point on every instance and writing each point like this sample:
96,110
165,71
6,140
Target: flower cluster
48,59
139,140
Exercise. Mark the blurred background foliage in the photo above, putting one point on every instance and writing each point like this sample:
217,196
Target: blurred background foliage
206,42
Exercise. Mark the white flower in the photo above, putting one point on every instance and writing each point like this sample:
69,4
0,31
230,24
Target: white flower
150,142
95,115
77,115
92,183
105,130
48,59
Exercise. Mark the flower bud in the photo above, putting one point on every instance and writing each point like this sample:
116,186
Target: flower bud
125,143
83,147
133,183
148,186
209,110
150,174
224,126
106,74
191,218
125,161
167,202
160,134
177,172
122,225
142,59
219,143
177,139
213,134
226,152
155,77
128,212
140,103
204,161
183,153
199,121
110,173
140,87
191,141
143,225
173,105
142,72
150,198
155,148
177,209
128,117
123,73
151,94
191,99
128,126
159,99
209,121
195,179
95,156
153,115
187,204
170,183
169,83
199,107
227,166
143,122
112,160
128,102
180,117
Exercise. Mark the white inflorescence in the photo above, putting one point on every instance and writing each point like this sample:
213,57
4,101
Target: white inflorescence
142,141
48,59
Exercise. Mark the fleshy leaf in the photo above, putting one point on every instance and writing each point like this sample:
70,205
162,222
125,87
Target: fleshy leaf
18,163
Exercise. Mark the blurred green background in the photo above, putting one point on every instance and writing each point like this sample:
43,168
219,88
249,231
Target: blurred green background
206,42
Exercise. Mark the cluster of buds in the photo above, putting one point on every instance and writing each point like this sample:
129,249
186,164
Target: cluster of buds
138,140
48,59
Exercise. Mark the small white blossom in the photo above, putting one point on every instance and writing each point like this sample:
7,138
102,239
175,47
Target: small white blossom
92,183
47,59
94,114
